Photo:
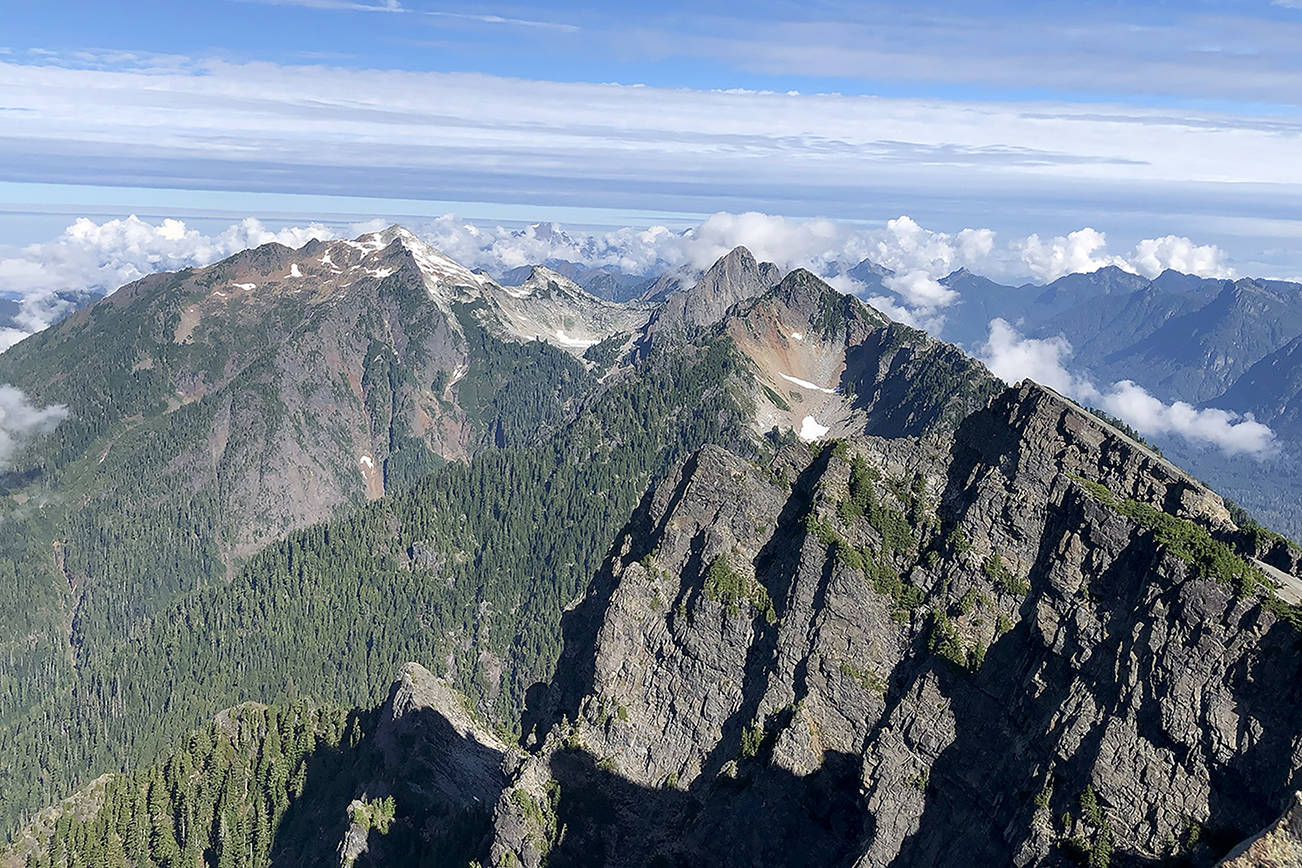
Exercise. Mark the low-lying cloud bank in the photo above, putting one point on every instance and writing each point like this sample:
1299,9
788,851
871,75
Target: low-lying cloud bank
1012,357
1085,250
20,420
99,257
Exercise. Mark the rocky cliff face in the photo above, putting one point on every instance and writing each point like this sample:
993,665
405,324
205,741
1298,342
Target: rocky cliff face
414,784
1006,649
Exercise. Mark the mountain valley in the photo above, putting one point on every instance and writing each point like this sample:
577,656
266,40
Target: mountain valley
733,570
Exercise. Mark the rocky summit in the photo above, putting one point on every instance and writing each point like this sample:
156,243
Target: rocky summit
739,572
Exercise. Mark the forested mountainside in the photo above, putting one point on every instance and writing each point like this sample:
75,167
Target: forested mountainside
1031,641
1186,338
211,411
779,570
125,643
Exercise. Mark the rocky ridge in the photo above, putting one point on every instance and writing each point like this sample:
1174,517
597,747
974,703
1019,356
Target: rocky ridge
999,631
996,658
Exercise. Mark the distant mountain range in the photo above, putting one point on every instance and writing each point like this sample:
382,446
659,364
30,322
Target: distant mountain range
736,571
1182,337
1227,344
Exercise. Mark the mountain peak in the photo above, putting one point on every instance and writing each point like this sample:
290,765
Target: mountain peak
733,278
738,254
542,280
445,279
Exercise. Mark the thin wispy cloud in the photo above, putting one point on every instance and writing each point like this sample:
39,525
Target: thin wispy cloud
395,6
99,119
335,5
498,19
1188,52
128,118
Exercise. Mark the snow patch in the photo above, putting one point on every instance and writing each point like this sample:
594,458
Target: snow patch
326,260
439,268
219,294
293,271
797,336
380,273
810,430
369,243
245,286
567,341
369,463
805,384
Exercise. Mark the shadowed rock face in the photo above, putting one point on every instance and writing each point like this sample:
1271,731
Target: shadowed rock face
442,770
458,761
1277,846
798,707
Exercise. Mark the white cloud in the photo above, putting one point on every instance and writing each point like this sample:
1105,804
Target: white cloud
1085,250
893,309
497,249
20,420
906,246
1232,433
1152,256
1080,251
782,240
1012,357
921,291
376,132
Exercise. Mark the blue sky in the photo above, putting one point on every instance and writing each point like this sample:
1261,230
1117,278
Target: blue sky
1140,120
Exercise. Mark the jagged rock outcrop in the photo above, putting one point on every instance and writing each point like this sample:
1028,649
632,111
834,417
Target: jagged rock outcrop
420,789
983,651
428,734
444,767
550,307
735,278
